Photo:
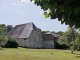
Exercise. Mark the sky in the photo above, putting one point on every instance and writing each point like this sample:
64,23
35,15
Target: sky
14,12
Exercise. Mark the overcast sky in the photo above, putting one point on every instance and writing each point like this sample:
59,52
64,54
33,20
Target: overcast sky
14,12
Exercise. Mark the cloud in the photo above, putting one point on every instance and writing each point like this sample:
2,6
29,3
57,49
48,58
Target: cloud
20,4
22,18
16,10
41,12
21,12
4,6
14,3
24,6
26,1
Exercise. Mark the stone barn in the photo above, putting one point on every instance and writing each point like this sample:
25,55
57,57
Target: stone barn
27,35
49,39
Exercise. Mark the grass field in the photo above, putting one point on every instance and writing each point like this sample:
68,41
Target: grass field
37,54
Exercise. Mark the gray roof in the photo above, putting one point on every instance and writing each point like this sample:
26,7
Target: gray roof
22,31
55,35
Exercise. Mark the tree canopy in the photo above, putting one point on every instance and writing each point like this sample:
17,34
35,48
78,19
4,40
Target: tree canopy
12,43
71,38
7,28
67,11
3,38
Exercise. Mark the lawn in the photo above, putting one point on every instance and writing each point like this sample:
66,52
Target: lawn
37,54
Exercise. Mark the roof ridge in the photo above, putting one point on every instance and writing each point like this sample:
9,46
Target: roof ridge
24,23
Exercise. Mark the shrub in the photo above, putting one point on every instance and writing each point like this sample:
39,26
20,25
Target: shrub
12,43
61,46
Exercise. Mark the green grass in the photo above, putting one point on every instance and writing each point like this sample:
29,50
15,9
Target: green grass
37,54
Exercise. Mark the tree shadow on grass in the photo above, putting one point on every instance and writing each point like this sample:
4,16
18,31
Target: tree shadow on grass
71,53
1,49
78,55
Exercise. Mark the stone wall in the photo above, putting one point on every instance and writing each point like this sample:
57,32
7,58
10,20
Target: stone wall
48,44
35,40
23,43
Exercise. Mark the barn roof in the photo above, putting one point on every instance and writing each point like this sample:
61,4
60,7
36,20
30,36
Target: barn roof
55,35
22,30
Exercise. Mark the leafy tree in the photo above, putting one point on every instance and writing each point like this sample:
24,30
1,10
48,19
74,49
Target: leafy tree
69,37
3,26
53,32
12,43
77,43
3,38
61,46
67,11
60,33
9,27
44,32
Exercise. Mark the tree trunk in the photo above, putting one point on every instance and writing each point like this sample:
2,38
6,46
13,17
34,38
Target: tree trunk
71,52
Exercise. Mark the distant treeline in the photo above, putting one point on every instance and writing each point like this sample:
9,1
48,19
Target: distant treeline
7,28
59,32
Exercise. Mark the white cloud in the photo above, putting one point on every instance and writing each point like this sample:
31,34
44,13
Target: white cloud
20,12
20,4
25,0
4,6
16,10
24,6
14,3
22,18
41,12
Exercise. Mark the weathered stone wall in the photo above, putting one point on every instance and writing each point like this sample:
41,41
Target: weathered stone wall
23,43
35,40
39,39
48,44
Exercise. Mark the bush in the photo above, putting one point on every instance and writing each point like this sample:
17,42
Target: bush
61,46
12,43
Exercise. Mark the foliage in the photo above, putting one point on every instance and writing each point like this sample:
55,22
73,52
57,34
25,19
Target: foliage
77,42
69,36
44,32
11,43
53,31
72,38
67,11
3,38
60,33
61,46
9,27
3,27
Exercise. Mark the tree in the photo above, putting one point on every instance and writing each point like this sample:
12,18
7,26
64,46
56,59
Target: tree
44,32
70,37
67,11
3,38
9,27
11,43
77,43
53,31
60,33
